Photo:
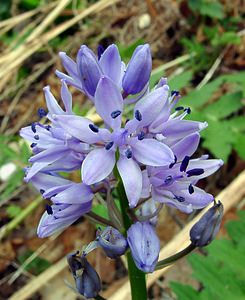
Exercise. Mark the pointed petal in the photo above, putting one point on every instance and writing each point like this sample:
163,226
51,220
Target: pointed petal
146,185
209,166
98,164
151,105
108,99
152,152
52,104
131,176
78,127
186,146
69,65
66,97
110,63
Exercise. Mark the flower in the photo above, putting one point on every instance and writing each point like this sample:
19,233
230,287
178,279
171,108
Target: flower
112,241
144,246
206,229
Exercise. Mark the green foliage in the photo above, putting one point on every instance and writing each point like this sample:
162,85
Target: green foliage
222,271
126,51
226,127
37,266
180,81
13,211
209,8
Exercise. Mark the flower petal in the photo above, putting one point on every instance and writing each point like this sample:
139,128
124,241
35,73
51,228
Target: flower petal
131,176
152,152
108,99
98,164
66,97
52,104
186,146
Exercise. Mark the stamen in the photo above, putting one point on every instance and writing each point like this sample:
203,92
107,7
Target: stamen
184,164
168,179
138,115
36,137
49,209
33,127
48,127
42,191
178,108
174,93
191,189
141,136
173,163
179,198
41,112
94,128
128,153
195,172
109,145
187,110
115,114
33,145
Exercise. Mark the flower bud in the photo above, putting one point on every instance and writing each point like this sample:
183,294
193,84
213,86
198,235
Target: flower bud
144,245
113,242
88,69
205,230
86,278
138,70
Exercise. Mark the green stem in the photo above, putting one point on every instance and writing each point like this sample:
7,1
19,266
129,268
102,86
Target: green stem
136,277
171,259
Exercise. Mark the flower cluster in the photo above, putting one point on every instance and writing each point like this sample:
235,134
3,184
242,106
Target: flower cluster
151,151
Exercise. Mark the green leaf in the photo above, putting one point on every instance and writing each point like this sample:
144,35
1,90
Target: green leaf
239,145
37,266
179,81
13,211
225,106
184,292
212,9
226,38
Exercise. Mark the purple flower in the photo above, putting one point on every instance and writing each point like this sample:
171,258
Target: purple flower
144,245
112,241
133,147
175,185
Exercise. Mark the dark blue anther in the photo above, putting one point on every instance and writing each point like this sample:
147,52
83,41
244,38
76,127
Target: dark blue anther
33,145
33,127
128,153
115,114
174,93
48,127
93,127
179,198
179,108
42,191
168,179
109,145
141,136
49,209
42,112
195,172
36,137
184,164
188,110
191,189
173,163
138,115
100,51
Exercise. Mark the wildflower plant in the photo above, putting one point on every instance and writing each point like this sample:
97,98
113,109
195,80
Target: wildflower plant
146,161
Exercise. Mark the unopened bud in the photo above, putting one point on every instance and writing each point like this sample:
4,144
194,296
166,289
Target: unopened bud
86,278
205,230
113,242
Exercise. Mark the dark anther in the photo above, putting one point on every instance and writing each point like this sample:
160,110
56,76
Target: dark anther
49,209
33,145
42,191
179,198
41,112
195,172
191,189
128,153
141,136
93,127
138,115
36,137
33,127
100,51
179,108
115,114
109,145
188,110
184,164
174,93
168,179
48,127
173,163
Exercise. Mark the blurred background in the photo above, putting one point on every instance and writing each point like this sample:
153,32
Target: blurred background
200,46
